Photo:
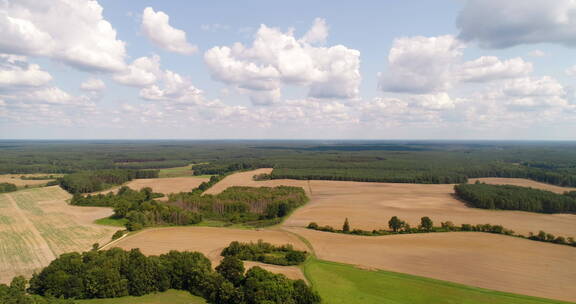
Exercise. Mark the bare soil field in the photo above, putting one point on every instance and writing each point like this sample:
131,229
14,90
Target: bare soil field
210,241
245,179
471,258
37,225
521,182
162,185
16,180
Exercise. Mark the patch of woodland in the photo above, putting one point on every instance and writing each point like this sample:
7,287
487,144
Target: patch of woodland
117,273
283,255
398,226
508,197
92,181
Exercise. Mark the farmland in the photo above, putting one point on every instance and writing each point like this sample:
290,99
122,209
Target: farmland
521,182
36,225
21,183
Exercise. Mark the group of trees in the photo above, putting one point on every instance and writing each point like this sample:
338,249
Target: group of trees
225,167
398,226
117,273
91,181
254,206
139,208
7,187
508,197
284,255
15,293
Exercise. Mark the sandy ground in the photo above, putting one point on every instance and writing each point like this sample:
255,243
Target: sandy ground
210,241
521,182
16,180
471,258
37,225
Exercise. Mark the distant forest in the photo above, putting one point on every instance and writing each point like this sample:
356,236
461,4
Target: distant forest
377,161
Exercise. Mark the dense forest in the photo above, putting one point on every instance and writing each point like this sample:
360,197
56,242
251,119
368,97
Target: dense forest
383,161
253,206
508,197
284,255
117,273
92,181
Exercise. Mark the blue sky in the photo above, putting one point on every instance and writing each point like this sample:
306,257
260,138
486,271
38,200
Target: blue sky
477,69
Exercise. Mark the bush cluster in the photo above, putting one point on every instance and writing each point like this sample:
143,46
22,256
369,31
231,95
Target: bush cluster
7,187
117,273
284,255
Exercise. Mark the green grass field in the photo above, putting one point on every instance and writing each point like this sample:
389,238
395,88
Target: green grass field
341,283
110,221
168,297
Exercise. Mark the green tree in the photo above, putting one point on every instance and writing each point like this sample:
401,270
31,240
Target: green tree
232,269
426,223
346,226
395,223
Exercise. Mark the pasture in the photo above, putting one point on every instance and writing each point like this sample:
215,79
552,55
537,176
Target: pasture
37,225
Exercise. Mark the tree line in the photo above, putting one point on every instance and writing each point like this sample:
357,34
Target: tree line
117,273
283,255
507,197
92,181
7,187
398,226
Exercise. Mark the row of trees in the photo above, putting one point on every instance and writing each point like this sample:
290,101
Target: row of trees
91,181
398,226
7,187
284,255
508,197
117,273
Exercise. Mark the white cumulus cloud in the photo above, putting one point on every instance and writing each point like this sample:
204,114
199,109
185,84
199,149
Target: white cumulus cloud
489,68
73,32
278,58
156,26
15,71
501,24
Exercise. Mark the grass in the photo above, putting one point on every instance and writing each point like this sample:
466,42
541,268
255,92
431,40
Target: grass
168,297
111,221
341,283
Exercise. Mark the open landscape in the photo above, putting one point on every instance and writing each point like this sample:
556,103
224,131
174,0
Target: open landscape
37,225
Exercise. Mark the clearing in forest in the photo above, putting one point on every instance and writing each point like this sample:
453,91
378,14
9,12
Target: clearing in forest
37,225
162,185
20,183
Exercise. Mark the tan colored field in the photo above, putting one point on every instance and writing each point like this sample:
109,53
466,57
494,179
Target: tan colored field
209,241
521,182
16,180
245,179
478,259
162,185
37,225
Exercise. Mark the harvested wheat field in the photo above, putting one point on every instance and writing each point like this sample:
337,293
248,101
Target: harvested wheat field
16,180
471,258
209,241
162,185
246,179
521,182
37,225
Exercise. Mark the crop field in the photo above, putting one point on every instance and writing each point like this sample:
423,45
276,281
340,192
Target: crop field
521,182
246,179
19,182
36,225
163,185
176,171
471,258
341,284
209,241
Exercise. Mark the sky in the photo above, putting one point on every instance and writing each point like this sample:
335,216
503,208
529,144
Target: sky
444,69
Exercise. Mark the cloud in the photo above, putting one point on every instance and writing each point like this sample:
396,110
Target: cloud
156,26
502,24
141,72
318,33
173,88
421,65
214,27
15,71
278,58
73,32
93,84
537,53
571,71
489,68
